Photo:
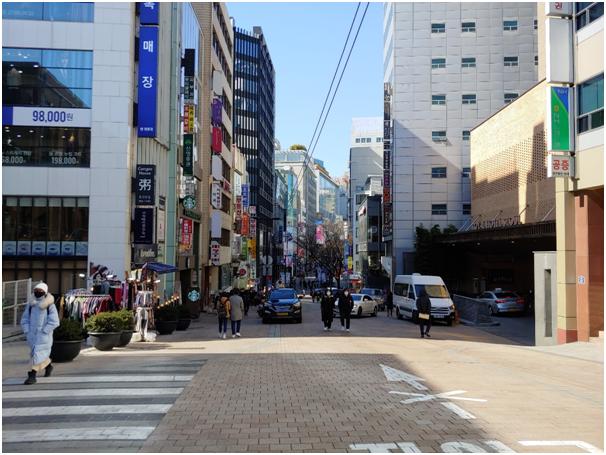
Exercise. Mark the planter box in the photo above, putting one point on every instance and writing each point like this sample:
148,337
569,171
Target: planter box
65,351
125,338
166,327
105,341
183,324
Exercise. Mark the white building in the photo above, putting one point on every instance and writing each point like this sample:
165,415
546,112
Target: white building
450,66
299,163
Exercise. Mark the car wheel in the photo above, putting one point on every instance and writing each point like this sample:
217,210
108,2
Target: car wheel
398,315
360,312
374,313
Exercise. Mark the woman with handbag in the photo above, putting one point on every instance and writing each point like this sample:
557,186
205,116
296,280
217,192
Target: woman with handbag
424,311
223,311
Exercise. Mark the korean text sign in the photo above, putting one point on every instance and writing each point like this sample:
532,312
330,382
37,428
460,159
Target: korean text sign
147,84
146,177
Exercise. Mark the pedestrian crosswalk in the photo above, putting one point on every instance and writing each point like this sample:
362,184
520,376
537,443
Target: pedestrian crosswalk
100,410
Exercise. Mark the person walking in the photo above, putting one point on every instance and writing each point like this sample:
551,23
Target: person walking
327,304
38,322
236,312
424,311
389,304
223,309
345,306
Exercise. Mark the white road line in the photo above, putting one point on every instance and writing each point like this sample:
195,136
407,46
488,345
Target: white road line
374,448
580,444
427,397
99,409
499,447
62,393
104,378
75,434
461,447
462,413
394,375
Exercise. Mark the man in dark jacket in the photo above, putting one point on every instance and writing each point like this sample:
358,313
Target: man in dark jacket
327,305
345,306
424,311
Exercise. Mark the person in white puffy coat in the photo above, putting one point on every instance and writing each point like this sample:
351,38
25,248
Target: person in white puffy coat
39,320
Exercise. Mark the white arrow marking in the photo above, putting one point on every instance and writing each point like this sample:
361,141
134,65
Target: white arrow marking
374,448
462,413
499,447
461,447
580,444
427,397
394,375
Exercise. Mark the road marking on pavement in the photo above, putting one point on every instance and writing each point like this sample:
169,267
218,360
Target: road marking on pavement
98,409
580,444
104,378
427,397
499,447
462,413
461,447
58,434
394,375
61,393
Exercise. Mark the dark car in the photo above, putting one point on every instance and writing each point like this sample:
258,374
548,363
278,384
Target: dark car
282,304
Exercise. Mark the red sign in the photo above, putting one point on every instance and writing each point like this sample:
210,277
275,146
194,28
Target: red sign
238,208
217,140
187,231
245,220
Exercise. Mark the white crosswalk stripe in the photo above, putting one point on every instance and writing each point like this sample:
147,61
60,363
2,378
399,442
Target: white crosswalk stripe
79,434
104,378
80,410
63,393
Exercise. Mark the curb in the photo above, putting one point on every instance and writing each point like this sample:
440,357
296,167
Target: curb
480,324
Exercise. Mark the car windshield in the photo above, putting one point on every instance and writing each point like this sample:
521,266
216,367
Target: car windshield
436,291
356,296
505,295
282,294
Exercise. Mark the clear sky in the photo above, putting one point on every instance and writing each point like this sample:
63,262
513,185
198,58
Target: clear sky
305,41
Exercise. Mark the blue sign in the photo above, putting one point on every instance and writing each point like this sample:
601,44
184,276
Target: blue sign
245,195
147,84
7,115
149,13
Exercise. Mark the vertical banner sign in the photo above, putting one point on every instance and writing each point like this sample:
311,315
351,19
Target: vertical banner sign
186,237
188,155
252,248
188,118
215,253
244,251
145,181
217,140
144,225
245,224
216,195
387,187
560,119
149,13
253,227
320,240
217,114
252,211
147,84
245,196
238,208
189,68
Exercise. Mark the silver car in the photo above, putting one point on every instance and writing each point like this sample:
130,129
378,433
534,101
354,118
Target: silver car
503,301
377,295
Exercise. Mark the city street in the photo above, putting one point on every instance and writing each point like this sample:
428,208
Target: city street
295,388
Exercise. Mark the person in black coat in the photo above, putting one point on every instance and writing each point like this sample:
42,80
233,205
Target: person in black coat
389,304
345,306
424,308
327,304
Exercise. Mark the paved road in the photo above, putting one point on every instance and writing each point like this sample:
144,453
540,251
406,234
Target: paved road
294,387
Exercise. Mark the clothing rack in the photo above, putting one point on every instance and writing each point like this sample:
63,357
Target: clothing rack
79,306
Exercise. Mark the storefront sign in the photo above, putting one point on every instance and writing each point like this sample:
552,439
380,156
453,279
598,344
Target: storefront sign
215,224
188,88
252,211
236,246
245,196
560,165
226,185
253,227
146,182
217,112
189,202
253,270
244,251
192,214
147,83
160,228
144,253
245,223
189,70
46,116
215,253
9,248
68,248
193,295
144,225
217,140
149,13
560,126
188,118
238,208
216,195
186,235
387,133
252,248
188,155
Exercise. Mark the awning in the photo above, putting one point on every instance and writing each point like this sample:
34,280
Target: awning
160,268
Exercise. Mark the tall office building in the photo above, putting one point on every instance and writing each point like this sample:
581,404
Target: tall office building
254,119
299,163
449,66
326,192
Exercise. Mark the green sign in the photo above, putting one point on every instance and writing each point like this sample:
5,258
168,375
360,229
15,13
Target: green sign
244,250
188,155
560,118
189,202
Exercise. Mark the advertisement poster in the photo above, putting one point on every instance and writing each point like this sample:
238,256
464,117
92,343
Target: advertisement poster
38,248
320,240
560,119
68,248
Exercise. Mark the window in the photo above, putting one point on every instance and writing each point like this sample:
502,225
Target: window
509,97
400,289
357,140
466,172
536,60
535,24
466,135
510,61
469,99
438,209
468,27
438,63
438,172
587,12
438,100
510,26
47,77
591,104
438,28
466,209
49,11
379,139
468,62
368,140
438,136
411,292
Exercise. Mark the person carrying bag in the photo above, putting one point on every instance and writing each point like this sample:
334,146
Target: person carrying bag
223,313
424,309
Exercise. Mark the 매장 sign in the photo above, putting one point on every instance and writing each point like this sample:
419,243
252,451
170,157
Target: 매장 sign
146,182
238,207
149,13
189,202
46,116
559,137
144,225
252,248
188,155
147,84
245,195
215,253
560,165
144,253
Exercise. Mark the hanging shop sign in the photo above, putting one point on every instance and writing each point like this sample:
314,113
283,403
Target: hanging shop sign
189,70
226,185
145,184
217,140
144,225
252,248
245,196
216,196
188,155
560,165
216,167
144,253
149,13
244,250
215,253
188,118
217,112
193,295
560,123
186,234
238,208
215,224
147,83
236,246
252,211
46,116
188,88
189,202
245,224
253,227
253,270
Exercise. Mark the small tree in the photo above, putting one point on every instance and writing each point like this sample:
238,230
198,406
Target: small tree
298,147
428,251
328,255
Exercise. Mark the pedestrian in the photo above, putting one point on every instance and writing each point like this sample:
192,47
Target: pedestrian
389,304
246,297
38,322
424,311
236,313
327,306
223,309
345,306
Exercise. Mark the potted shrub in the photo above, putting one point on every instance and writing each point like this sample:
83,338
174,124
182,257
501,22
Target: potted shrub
166,317
105,330
67,341
184,318
127,322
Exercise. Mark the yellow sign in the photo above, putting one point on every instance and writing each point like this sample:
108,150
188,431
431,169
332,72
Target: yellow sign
349,263
252,248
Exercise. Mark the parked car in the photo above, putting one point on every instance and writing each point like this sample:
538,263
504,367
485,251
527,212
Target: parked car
363,304
501,301
406,290
317,294
282,304
377,294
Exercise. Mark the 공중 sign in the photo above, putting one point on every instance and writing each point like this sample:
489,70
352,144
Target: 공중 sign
560,165
147,83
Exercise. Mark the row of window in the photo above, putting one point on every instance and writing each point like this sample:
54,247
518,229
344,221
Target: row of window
368,140
469,98
470,27
440,172
470,62
587,12
49,11
440,136
442,209
590,104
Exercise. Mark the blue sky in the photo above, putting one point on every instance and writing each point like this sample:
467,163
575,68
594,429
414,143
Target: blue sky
305,41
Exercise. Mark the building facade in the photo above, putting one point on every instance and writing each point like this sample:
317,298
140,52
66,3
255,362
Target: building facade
326,192
449,66
299,163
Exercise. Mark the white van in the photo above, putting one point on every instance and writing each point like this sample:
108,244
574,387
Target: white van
406,289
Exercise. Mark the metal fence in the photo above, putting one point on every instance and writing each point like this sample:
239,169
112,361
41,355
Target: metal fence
473,311
14,299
